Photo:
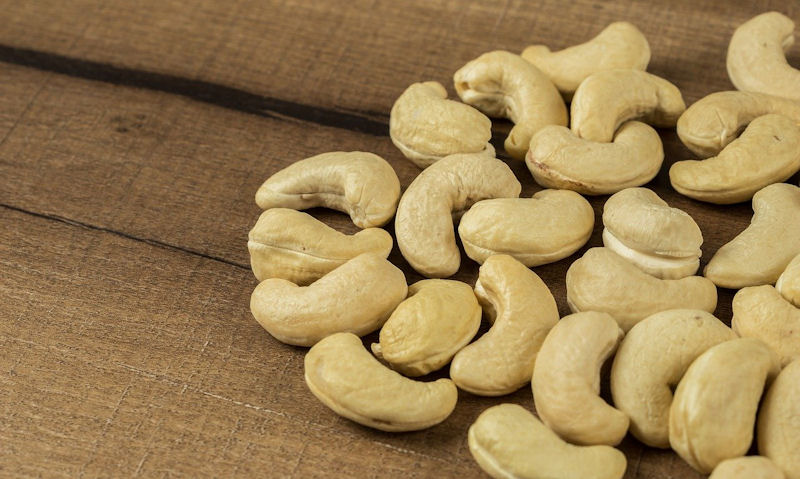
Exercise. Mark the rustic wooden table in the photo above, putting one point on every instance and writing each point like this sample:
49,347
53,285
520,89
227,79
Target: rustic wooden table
133,136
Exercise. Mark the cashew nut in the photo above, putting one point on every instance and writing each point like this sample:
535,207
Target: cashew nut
424,222
714,410
788,283
756,58
566,380
356,297
740,169
502,84
507,441
439,318
652,360
295,246
559,159
760,253
642,228
425,126
761,312
604,281
342,374
607,99
550,226
779,421
523,311
619,45
361,184
709,124
747,467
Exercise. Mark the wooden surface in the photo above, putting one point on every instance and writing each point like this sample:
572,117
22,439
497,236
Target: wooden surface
133,136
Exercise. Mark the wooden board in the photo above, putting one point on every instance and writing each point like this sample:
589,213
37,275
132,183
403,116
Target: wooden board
132,139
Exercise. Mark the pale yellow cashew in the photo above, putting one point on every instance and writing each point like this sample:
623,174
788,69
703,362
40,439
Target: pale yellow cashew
342,374
438,318
425,126
761,312
756,59
779,421
788,283
557,158
507,441
502,84
714,410
523,311
619,45
747,467
566,380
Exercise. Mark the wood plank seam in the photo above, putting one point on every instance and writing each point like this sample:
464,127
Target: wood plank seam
151,242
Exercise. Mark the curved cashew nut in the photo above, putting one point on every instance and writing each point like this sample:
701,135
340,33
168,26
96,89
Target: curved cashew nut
714,411
747,467
350,381
358,183
778,428
566,380
712,122
424,222
502,84
297,247
602,280
609,98
559,159
425,126
356,297
756,59
507,441
740,170
619,45
789,282
645,230
550,226
761,312
760,253
438,318
652,360
523,310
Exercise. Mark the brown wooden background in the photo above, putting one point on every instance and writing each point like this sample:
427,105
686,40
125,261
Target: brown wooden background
133,136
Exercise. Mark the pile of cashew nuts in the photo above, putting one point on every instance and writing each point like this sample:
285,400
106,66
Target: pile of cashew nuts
680,378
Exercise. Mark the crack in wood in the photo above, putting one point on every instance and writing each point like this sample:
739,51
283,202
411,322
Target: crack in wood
198,90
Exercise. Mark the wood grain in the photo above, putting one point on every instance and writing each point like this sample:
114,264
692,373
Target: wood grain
132,139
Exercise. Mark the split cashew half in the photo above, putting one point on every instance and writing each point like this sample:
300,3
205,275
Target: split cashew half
297,247
566,380
760,253
651,361
642,228
761,312
425,126
604,281
714,411
789,282
609,98
507,441
438,318
356,297
550,226
342,374
757,59
767,152
361,184
619,45
709,124
747,467
424,222
502,84
559,159
779,421
523,311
